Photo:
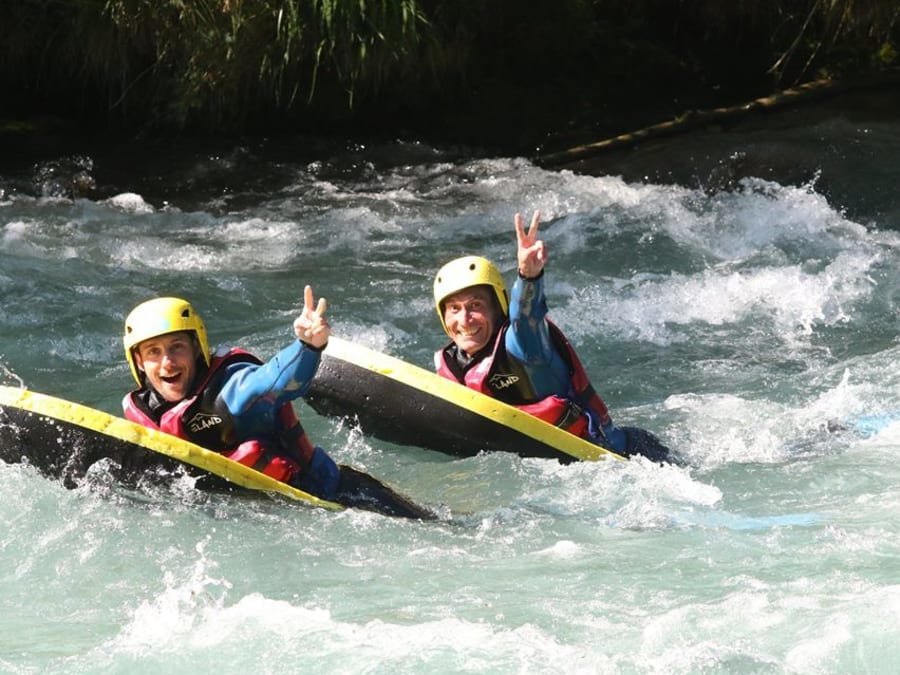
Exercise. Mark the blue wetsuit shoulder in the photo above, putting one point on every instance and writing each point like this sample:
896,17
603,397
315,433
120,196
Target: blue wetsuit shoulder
284,377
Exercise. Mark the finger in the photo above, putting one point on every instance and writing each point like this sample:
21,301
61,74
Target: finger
535,219
520,230
322,307
307,299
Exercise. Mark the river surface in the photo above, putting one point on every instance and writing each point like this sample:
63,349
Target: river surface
752,324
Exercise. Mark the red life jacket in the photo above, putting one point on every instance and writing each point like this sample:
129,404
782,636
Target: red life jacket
501,377
198,418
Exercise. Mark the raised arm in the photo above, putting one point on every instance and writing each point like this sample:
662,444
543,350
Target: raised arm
286,376
528,338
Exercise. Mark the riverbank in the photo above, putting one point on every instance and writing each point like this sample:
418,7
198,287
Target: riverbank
55,157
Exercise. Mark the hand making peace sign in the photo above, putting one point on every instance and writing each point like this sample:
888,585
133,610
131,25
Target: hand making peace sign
532,253
311,326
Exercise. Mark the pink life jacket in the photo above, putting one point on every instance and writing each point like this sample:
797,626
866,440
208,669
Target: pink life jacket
194,419
513,385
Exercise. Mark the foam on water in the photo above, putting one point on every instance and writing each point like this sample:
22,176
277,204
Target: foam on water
753,329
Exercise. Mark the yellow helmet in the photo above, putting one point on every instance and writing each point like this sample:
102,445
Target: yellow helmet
159,317
465,272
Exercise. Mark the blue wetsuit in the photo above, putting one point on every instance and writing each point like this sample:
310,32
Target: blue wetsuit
240,402
528,341
254,393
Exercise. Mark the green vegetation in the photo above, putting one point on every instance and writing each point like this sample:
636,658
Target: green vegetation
472,70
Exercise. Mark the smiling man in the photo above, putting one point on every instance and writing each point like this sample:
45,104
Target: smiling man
504,346
169,363
233,403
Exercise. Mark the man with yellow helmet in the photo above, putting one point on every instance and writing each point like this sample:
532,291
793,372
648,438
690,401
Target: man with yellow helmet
231,402
506,348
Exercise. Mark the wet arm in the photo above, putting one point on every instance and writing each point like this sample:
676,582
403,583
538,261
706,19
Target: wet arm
284,377
528,337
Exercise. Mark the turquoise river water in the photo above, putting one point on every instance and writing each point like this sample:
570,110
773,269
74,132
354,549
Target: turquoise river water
752,324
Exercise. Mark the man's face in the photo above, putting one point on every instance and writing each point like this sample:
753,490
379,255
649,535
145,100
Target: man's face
169,362
470,317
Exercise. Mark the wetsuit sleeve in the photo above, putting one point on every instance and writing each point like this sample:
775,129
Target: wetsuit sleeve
284,377
528,339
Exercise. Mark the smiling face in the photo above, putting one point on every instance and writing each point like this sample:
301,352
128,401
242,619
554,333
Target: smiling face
169,363
471,317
